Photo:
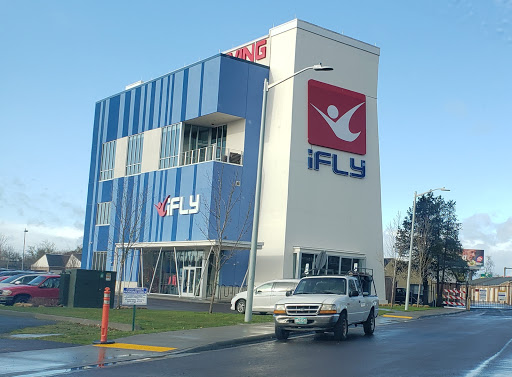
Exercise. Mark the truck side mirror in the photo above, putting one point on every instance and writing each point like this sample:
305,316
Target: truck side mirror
353,293
289,293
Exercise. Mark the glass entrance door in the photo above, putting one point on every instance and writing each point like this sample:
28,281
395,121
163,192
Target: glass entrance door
190,281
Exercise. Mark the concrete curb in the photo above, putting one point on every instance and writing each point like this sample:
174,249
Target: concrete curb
226,344
58,318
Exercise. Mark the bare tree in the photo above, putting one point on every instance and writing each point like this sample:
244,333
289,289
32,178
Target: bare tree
393,252
489,267
424,258
128,210
218,216
7,251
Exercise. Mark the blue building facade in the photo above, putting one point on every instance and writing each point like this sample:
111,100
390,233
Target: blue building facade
167,158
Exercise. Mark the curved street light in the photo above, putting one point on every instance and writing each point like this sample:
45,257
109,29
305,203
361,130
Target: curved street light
408,291
256,215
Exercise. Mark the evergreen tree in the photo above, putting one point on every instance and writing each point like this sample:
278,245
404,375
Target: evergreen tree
436,252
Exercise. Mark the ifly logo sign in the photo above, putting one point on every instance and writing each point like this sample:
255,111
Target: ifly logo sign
169,205
336,118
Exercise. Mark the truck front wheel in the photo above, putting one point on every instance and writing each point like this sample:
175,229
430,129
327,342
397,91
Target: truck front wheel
341,327
369,324
282,334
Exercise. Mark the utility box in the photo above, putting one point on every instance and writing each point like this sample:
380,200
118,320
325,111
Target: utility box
85,288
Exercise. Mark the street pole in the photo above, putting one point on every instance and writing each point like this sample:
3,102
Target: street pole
408,288
23,255
256,216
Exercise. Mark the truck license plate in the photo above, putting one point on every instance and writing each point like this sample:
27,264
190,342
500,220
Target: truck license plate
301,321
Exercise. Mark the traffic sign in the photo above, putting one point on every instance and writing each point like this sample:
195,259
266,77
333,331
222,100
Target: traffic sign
135,296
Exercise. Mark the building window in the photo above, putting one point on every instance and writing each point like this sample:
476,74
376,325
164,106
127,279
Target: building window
108,156
219,140
103,214
134,156
169,150
99,260
206,144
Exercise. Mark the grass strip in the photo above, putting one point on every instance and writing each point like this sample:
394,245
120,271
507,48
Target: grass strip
149,321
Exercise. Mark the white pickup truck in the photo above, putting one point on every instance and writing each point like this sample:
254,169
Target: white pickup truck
328,304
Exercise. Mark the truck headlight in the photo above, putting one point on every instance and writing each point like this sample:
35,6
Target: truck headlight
5,292
328,309
279,309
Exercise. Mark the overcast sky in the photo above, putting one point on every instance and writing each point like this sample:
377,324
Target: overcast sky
444,102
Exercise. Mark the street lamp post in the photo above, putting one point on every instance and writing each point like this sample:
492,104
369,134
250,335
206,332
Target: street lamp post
256,215
408,289
23,255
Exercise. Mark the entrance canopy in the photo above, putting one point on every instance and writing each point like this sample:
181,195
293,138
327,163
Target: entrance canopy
187,245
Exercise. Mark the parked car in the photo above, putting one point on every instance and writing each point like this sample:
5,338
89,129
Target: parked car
265,295
44,287
400,294
5,274
20,279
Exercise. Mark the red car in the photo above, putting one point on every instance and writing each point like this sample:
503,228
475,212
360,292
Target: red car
45,287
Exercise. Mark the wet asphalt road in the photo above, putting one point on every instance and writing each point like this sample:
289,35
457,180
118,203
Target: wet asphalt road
469,344
11,323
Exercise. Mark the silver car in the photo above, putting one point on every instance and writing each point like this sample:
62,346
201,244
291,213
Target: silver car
265,295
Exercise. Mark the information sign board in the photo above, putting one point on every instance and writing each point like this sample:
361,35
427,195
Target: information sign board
135,296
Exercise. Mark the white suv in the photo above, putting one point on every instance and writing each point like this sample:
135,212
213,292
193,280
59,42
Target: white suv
265,295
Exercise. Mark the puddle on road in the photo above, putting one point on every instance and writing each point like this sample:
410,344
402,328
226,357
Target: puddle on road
31,336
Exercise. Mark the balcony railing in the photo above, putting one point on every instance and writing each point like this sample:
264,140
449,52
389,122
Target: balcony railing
211,153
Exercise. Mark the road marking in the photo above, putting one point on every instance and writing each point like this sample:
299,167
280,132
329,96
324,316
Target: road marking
396,316
136,347
478,370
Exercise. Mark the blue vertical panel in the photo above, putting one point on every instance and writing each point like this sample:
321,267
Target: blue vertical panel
142,115
233,86
123,129
113,119
106,191
233,271
194,86
162,109
184,95
170,99
177,187
135,112
183,189
210,90
257,74
155,113
89,226
177,97
150,105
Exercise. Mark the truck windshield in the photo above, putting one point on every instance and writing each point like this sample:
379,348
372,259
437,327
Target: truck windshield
334,286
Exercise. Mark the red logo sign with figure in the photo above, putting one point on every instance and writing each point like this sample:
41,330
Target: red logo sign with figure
336,118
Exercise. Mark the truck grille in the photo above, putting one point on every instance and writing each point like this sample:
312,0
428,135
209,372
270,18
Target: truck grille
302,309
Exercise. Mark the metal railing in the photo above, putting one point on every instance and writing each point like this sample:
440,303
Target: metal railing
211,153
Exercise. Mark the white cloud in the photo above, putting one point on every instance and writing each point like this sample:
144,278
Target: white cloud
64,237
481,231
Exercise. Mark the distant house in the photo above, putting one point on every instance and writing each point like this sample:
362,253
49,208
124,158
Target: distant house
57,262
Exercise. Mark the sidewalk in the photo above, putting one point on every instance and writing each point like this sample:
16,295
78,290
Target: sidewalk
144,346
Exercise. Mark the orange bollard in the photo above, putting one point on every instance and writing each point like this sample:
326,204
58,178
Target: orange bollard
104,318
